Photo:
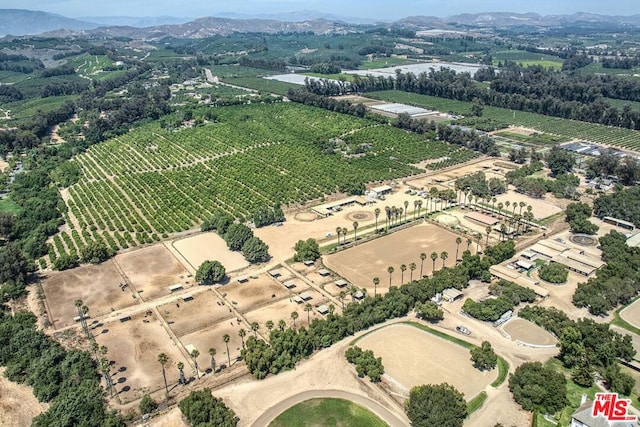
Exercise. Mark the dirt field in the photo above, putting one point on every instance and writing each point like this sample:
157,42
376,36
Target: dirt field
542,208
208,246
631,314
98,286
413,357
212,337
360,264
282,310
18,405
133,348
256,292
528,332
203,310
151,270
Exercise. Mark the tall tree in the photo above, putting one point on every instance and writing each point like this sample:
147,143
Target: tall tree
294,316
390,270
212,353
436,405
308,307
434,257
444,255
423,256
403,268
376,282
242,333
163,359
355,231
226,338
194,355
376,212
412,267
182,380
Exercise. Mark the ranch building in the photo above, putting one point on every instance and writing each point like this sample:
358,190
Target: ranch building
451,294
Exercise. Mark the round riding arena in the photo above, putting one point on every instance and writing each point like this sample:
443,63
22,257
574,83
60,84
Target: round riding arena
305,216
631,314
528,333
360,216
414,357
583,240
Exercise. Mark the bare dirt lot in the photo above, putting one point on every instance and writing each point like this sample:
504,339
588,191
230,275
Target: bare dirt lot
212,337
413,357
98,286
256,292
18,405
205,309
133,349
282,310
208,246
151,270
529,333
631,314
360,264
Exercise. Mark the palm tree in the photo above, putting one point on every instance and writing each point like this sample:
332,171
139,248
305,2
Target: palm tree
458,241
226,338
403,268
522,205
194,354
269,324
344,235
376,212
478,239
342,295
434,257
282,324
376,282
390,270
387,210
182,379
488,231
338,233
254,328
469,241
163,359
507,204
412,267
444,255
308,307
406,209
503,231
423,256
242,333
419,207
294,316
212,353
493,203
355,231
515,205
104,367
500,206
415,208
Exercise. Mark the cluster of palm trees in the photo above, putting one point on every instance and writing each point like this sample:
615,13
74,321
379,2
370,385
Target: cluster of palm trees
341,231
514,221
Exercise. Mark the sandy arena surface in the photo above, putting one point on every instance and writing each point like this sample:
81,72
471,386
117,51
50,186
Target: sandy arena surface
631,314
152,269
528,332
133,348
413,357
360,264
98,286
205,309
18,405
208,246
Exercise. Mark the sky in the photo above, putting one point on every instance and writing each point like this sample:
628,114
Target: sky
377,9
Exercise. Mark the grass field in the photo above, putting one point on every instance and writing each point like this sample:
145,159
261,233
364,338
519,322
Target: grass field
262,85
537,138
625,138
527,58
8,205
327,413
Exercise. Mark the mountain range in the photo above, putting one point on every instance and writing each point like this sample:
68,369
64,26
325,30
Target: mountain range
19,22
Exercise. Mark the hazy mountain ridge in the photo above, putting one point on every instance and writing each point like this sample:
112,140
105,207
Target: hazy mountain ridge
24,22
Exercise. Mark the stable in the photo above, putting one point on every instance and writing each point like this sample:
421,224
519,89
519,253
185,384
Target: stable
324,272
482,219
323,309
175,288
619,223
289,284
243,279
452,294
274,273
341,283
186,297
381,190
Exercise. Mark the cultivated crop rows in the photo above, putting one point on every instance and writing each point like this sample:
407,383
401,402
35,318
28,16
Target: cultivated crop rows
151,182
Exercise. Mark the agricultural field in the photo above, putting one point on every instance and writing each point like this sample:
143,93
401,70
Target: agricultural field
262,85
527,58
142,186
572,129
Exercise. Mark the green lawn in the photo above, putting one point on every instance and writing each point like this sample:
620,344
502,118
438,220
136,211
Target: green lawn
536,138
327,413
262,85
8,205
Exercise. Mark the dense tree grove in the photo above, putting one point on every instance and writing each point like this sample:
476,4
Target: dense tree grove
266,216
508,295
553,273
585,346
617,283
429,311
470,139
307,250
577,215
210,272
483,357
367,364
68,380
623,204
478,185
610,164
534,88
538,388
287,347
202,409
436,405
239,237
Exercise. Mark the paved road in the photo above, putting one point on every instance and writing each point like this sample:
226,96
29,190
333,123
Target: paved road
386,415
